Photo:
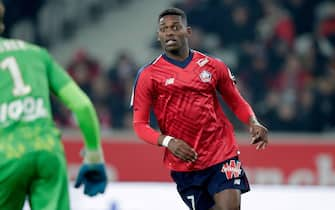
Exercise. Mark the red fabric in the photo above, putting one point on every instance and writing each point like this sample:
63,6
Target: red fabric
285,30
145,132
186,106
141,109
327,27
232,96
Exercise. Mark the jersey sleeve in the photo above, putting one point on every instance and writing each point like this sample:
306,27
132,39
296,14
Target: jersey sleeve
57,76
76,100
142,98
231,95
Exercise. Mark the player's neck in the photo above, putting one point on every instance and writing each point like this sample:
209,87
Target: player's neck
180,55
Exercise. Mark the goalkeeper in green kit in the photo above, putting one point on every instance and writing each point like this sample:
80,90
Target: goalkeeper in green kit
32,161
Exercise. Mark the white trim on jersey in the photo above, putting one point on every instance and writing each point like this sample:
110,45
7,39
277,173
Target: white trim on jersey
156,59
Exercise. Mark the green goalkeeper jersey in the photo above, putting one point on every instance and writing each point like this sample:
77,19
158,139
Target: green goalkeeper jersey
26,122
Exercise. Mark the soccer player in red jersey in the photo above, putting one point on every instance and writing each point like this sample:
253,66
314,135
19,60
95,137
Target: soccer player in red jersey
181,87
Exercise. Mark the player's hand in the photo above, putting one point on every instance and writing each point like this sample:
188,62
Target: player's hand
92,174
182,150
259,135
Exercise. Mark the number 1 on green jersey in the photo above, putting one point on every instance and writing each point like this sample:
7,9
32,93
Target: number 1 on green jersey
11,65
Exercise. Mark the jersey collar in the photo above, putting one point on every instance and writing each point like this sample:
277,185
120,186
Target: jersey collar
181,64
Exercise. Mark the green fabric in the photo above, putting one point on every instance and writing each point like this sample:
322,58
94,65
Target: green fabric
86,117
26,123
31,154
42,174
27,116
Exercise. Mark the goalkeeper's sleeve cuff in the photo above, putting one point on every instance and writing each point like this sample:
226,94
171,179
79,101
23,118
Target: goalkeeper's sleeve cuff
93,156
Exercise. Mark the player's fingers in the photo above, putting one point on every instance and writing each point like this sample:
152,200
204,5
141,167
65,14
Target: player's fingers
195,153
178,154
265,136
88,191
96,189
183,151
262,145
190,153
264,133
191,158
255,139
259,146
79,181
181,156
185,155
265,144
186,148
103,188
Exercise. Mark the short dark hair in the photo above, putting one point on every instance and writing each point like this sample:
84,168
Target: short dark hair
173,11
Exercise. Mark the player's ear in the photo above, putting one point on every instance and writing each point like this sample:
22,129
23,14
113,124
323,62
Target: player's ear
158,39
189,31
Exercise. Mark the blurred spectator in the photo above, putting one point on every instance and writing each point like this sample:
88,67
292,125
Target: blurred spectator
286,118
197,41
196,11
326,91
326,28
311,57
239,27
23,10
276,24
257,79
101,97
275,30
302,13
84,69
310,118
292,78
187,5
121,76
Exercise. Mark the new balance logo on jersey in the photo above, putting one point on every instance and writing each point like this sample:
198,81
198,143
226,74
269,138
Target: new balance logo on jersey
233,169
169,81
201,62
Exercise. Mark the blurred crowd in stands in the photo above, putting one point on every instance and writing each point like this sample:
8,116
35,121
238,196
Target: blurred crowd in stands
284,56
110,89
281,52
47,22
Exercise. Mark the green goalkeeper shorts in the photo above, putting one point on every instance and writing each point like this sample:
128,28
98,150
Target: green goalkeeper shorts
40,177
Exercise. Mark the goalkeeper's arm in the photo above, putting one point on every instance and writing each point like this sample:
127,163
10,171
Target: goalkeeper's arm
78,102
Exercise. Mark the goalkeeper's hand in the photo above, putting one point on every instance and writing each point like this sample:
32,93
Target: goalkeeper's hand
92,174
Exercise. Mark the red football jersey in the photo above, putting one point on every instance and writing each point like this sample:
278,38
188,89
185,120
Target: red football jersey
183,96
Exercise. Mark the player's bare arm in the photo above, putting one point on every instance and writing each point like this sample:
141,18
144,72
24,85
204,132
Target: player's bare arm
259,133
179,148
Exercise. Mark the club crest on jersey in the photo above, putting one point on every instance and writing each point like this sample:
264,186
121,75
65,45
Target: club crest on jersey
232,169
205,76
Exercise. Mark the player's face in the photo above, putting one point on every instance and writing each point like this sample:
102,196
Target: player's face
173,33
2,13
